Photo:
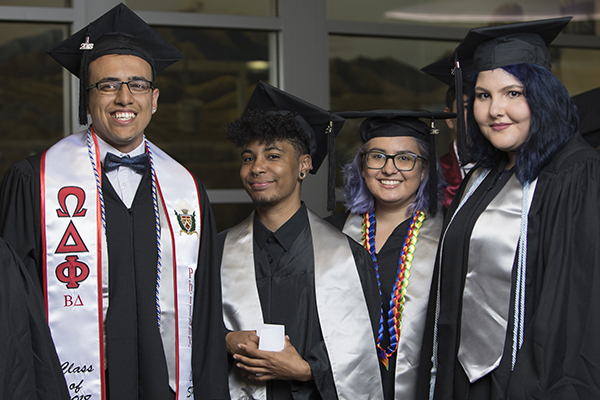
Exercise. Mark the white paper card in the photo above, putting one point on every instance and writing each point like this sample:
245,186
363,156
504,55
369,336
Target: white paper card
272,337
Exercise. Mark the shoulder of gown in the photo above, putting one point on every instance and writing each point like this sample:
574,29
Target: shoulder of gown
560,356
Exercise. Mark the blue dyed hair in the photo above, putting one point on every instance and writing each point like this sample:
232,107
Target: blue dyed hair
358,198
554,121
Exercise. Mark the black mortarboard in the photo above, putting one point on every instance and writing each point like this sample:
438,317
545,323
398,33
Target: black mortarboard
393,123
499,46
444,69
588,105
119,31
321,126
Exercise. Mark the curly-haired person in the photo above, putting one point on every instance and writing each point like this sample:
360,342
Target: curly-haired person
284,265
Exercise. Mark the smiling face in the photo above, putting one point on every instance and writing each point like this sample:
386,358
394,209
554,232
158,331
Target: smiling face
501,109
270,173
389,186
120,119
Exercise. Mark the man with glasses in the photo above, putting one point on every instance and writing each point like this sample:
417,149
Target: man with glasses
119,234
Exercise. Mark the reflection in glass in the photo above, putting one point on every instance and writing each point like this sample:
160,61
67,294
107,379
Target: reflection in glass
228,215
31,90
201,93
466,13
374,73
36,3
263,8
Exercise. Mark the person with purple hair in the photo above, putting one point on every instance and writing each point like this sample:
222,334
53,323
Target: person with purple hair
516,295
392,189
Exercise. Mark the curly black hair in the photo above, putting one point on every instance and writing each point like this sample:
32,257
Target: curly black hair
268,127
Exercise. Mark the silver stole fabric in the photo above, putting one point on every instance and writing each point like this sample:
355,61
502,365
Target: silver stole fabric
417,298
486,296
343,314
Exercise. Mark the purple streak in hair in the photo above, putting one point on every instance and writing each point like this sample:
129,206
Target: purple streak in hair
358,198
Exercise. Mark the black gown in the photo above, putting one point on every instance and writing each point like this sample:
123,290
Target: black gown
284,266
560,355
136,362
29,366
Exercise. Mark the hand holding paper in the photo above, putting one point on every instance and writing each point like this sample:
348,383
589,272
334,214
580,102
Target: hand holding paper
261,365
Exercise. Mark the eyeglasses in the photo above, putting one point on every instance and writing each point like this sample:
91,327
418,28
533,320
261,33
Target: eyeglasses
138,86
402,161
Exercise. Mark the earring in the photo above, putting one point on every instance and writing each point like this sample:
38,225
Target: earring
153,110
302,175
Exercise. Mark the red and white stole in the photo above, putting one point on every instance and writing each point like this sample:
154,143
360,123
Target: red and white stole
73,237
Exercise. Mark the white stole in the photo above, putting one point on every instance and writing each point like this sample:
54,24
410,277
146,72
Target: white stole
341,305
417,298
76,263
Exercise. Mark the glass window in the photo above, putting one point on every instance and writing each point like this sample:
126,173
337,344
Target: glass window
36,3
228,215
466,13
576,68
375,73
264,8
32,101
201,93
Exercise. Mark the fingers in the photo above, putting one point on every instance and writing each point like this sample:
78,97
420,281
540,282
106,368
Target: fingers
235,339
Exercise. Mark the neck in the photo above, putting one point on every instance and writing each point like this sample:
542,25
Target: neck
391,215
512,158
273,217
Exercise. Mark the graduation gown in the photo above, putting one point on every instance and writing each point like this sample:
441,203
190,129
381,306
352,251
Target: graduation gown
560,355
29,366
284,267
416,302
135,357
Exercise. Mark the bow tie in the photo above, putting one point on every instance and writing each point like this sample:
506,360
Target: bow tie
137,163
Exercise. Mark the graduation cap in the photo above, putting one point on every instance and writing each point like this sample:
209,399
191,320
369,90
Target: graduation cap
394,123
498,46
320,125
119,31
588,105
443,69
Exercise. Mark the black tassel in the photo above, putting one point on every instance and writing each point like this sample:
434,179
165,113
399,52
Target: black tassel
433,195
461,131
331,167
83,77
83,83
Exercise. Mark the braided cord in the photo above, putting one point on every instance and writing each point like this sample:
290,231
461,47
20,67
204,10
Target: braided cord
519,306
92,156
157,219
398,296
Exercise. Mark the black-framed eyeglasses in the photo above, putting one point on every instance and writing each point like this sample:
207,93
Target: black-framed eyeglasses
137,86
402,161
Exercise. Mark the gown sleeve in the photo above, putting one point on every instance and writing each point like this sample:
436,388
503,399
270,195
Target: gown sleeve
30,366
20,217
209,355
560,356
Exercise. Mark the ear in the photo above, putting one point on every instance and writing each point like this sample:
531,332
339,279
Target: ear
305,163
155,94
451,122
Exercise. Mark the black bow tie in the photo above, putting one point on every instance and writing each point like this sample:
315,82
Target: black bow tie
137,163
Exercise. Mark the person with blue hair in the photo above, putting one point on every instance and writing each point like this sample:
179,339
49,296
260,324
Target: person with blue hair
516,295
392,189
